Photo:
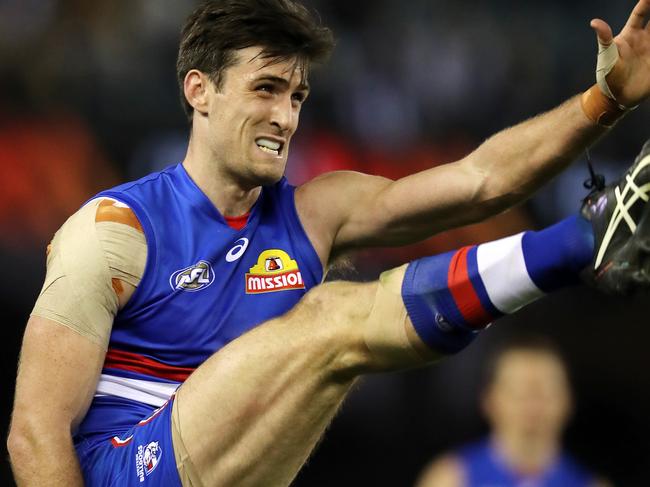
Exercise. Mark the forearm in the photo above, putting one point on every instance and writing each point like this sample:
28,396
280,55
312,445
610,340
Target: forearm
38,460
517,161
504,171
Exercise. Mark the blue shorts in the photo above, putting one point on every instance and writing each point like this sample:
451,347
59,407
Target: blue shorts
144,455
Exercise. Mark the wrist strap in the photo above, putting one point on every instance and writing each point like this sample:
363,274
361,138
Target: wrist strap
601,109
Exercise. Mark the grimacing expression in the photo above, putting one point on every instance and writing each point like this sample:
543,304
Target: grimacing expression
254,114
529,395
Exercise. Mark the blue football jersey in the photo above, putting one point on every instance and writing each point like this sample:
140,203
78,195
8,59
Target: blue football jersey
204,285
485,467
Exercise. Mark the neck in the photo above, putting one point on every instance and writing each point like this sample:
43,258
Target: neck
229,196
527,454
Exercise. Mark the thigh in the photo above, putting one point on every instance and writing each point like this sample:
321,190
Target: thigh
252,413
143,454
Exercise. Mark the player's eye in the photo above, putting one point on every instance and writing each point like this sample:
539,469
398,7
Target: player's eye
266,88
299,97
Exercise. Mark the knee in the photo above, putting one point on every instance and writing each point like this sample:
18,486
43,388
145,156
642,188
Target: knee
336,312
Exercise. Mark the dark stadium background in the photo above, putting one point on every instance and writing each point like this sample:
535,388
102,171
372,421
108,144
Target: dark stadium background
88,98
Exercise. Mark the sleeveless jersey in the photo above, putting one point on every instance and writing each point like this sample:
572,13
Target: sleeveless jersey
204,285
484,467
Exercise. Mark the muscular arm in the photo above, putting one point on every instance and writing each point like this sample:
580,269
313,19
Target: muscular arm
347,210
95,262
367,210
57,376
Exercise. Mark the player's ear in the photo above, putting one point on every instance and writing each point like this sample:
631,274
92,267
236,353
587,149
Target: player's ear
196,87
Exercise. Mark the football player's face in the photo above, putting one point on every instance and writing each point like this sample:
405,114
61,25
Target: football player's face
254,115
529,396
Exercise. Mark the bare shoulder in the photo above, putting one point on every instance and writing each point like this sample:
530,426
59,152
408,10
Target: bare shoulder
326,203
444,471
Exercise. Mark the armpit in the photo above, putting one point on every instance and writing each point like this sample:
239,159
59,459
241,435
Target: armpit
98,255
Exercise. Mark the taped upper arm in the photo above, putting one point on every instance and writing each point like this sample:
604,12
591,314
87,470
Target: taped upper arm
94,261
125,248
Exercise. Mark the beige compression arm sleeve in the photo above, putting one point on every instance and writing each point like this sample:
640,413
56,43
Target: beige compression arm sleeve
98,249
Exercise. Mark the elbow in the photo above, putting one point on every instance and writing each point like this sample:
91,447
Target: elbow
23,454
29,435
19,447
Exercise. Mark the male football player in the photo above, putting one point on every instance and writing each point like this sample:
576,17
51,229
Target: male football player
527,402
143,360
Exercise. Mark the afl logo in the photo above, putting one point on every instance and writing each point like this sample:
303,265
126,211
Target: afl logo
193,278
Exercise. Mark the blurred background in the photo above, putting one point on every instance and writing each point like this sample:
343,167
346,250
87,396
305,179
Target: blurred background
88,99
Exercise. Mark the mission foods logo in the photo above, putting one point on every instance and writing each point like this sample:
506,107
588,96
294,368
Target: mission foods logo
193,278
275,271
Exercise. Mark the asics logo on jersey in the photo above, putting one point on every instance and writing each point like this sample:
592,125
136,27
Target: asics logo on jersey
193,278
622,211
238,250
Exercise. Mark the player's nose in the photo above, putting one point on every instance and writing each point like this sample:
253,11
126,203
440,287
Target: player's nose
283,115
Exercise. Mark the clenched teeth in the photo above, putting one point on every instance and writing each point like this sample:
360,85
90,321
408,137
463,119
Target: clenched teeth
270,151
269,144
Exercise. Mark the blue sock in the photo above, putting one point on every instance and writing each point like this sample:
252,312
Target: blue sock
450,297
556,255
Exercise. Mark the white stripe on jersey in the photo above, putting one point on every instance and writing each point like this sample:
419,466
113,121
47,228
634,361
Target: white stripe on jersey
144,391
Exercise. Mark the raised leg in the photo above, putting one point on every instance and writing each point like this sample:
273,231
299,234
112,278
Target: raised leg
252,413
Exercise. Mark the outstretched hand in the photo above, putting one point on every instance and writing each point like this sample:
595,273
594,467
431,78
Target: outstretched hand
629,80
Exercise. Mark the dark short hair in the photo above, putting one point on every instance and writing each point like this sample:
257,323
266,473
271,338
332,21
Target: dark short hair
524,342
284,29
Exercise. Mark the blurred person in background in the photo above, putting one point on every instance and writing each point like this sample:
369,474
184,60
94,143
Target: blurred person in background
143,357
527,402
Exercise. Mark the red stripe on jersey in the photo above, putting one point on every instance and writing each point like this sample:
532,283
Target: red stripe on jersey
463,292
133,362
117,443
237,222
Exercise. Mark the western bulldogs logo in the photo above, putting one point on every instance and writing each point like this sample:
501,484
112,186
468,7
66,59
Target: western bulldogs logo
147,459
193,278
